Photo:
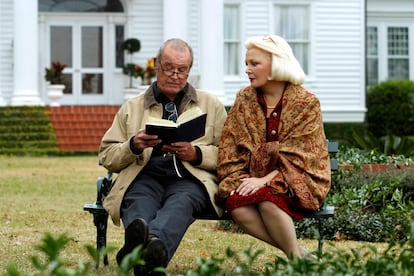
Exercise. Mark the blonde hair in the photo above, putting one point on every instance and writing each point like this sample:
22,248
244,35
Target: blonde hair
285,66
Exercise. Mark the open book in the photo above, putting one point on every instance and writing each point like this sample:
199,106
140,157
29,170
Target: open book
190,125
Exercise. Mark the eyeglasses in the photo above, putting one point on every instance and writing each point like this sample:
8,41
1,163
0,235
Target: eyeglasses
169,70
172,109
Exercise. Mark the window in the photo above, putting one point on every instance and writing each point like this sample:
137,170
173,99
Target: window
231,39
80,6
398,59
388,53
119,51
372,55
292,23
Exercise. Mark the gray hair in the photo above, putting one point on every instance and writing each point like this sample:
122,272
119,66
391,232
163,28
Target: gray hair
178,45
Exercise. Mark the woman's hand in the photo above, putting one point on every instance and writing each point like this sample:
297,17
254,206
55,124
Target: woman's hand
250,185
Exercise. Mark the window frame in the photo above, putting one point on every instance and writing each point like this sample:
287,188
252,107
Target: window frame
237,40
382,51
306,41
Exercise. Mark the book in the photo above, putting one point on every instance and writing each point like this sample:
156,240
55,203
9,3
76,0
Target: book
190,125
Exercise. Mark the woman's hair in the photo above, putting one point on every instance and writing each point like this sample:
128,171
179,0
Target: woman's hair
285,66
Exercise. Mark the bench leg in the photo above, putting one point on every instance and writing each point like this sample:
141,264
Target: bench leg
101,222
320,238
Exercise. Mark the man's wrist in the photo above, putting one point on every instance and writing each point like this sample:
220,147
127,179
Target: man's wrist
199,156
132,147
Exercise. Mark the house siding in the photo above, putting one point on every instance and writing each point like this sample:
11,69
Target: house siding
6,49
194,34
338,62
147,25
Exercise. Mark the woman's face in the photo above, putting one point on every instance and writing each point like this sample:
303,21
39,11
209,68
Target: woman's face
258,66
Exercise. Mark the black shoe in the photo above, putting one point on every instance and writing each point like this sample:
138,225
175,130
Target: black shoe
155,256
135,234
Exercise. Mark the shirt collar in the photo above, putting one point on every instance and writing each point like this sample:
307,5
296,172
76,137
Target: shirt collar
152,95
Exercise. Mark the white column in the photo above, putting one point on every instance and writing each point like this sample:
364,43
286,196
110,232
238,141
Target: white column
211,47
26,64
175,19
2,101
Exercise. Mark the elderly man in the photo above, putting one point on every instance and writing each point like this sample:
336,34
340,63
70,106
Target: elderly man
160,188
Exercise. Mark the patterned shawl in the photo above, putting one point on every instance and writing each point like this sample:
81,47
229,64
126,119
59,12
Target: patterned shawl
300,154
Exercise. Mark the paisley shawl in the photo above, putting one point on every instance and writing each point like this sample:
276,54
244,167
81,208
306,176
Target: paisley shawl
300,154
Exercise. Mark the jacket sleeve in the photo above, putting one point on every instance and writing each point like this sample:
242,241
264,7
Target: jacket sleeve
114,152
209,150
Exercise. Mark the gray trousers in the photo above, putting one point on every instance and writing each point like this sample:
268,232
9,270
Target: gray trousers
166,202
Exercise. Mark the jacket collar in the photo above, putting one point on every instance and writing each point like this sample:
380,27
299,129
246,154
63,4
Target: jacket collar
150,99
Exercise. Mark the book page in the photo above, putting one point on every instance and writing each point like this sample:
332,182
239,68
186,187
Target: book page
189,114
159,121
184,117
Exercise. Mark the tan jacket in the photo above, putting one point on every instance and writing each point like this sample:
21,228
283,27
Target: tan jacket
116,156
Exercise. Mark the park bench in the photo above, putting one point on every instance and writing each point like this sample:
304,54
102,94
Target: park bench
104,183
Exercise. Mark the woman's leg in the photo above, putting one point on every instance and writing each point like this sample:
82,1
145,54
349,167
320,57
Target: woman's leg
280,227
250,221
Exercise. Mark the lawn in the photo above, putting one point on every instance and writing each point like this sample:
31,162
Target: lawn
46,195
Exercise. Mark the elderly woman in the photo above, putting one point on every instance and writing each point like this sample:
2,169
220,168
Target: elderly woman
273,160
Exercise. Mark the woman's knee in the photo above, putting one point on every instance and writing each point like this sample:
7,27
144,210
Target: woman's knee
268,207
244,213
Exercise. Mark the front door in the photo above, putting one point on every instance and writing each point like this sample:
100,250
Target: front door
82,43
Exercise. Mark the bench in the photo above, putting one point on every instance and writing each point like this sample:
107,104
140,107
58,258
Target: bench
100,216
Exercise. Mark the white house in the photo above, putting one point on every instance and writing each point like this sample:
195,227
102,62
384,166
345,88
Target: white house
342,45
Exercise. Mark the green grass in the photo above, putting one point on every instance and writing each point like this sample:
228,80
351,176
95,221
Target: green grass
46,195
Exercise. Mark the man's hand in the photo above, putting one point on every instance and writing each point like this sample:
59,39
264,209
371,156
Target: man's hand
142,140
183,150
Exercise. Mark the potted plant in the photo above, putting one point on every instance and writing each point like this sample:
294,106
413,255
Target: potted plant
131,46
55,79
149,71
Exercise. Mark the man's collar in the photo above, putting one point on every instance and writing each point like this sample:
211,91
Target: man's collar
161,98
152,95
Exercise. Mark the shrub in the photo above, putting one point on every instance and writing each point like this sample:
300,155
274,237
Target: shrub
374,155
338,132
391,108
26,130
389,145
373,206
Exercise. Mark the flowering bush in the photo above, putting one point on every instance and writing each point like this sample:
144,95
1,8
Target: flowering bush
135,71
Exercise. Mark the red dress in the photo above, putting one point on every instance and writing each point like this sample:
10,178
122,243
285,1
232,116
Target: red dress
283,201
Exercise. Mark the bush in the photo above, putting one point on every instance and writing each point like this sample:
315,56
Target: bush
389,145
369,206
372,206
26,130
391,108
358,156
340,131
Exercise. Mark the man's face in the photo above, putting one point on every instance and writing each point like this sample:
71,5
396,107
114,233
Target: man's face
172,71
